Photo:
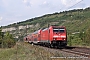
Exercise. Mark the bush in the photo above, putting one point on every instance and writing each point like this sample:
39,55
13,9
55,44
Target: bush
8,43
87,37
7,40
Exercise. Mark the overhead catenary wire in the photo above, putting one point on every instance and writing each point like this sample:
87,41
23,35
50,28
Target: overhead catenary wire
72,5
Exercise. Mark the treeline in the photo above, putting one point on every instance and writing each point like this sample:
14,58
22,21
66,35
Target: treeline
6,40
64,13
79,39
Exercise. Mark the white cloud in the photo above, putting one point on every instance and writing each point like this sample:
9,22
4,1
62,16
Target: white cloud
45,2
1,18
6,3
25,1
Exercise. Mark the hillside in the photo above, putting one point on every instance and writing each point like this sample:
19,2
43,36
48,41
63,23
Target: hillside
74,20
77,20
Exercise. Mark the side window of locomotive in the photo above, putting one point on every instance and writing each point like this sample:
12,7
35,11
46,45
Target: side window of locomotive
49,30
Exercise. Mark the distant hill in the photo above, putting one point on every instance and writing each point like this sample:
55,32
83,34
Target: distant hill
77,20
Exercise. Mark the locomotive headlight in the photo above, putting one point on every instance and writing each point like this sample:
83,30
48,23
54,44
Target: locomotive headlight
64,39
54,38
63,36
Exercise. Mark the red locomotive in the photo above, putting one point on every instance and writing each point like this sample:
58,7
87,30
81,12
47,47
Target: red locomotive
52,36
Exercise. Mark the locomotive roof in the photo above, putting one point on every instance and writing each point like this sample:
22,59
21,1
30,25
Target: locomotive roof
58,26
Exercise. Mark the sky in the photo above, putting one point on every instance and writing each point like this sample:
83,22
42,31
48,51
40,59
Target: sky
13,11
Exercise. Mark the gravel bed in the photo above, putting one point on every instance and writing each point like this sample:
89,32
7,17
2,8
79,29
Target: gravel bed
59,54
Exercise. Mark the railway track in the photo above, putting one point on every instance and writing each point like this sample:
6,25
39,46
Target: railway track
82,51
79,52
85,55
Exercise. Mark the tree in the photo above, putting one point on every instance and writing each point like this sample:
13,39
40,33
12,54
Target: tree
87,39
1,37
8,40
82,36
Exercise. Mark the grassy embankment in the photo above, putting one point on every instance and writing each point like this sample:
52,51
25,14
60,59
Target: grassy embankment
24,51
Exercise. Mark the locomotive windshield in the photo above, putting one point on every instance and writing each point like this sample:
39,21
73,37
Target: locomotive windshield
61,30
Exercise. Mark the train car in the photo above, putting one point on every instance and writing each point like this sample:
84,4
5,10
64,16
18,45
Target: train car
54,36
29,38
36,37
25,39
